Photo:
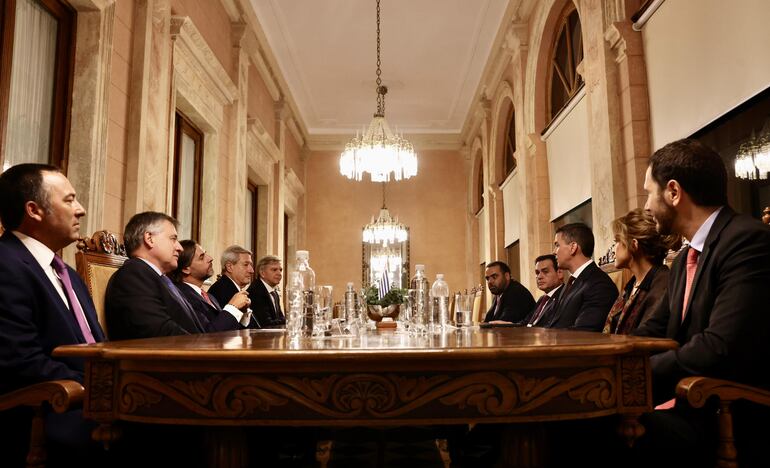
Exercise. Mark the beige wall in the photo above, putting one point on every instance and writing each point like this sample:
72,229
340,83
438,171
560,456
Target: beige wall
432,204
260,103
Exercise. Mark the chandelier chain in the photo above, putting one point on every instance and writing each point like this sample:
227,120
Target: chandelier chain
380,88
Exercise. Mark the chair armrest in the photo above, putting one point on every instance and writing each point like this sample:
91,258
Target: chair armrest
696,390
61,394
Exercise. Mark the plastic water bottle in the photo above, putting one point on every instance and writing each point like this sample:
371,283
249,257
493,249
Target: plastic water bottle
439,294
419,297
301,318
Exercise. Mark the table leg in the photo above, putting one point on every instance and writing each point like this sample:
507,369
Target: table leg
226,447
522,446
630,428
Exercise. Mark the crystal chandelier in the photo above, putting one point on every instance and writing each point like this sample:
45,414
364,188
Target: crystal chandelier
385,230
378,150
753,159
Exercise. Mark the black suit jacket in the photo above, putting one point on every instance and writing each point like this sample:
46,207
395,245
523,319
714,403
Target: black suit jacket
212,317
726,330
262,305
515,303
138,304
223,289
550,308
586,305
34,320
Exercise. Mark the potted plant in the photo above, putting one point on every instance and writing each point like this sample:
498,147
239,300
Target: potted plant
388,306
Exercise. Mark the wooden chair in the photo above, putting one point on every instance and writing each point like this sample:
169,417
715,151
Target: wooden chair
696,391
97,259
478,311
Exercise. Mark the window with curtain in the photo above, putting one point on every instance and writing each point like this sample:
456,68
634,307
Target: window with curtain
566,55
36,48
480,187
510,144
252,218
188,167
512,259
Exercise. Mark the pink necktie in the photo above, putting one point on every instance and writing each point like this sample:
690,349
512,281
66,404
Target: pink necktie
692,265
61,269
206,297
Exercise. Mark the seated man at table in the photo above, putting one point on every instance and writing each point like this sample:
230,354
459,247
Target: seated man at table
266,302
550,280
715,307
237,273
193,268
588,296
141,301
512,301
43,304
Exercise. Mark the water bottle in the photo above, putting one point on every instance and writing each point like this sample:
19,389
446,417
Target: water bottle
302,313
419,298
351,310
439,294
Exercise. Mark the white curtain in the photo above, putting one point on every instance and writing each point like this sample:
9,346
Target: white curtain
185,192
28,134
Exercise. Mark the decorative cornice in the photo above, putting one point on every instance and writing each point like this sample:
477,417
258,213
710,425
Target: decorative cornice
256,129
293,183
617,42
295,132
191,45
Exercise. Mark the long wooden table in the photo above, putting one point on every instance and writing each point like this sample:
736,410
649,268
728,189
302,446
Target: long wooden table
262,378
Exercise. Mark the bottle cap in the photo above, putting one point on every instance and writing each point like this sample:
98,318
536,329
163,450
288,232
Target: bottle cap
440,276
303,255
350,285
419,267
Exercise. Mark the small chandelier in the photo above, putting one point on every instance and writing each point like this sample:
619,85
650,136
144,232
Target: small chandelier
385,230
753,159
378,150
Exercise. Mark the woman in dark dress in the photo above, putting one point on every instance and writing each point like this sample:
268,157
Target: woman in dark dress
639,248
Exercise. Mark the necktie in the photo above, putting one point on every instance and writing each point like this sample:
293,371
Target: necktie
692,265
182,302
540,309
64,275
206,298
277,303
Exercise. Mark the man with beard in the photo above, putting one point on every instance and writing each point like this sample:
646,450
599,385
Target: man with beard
512,300
715,306
193,268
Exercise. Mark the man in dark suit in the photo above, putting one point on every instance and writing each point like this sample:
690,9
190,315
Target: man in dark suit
550,280
716,303
43,302
141,301
588,296
193,268
266,302
237,273
512,301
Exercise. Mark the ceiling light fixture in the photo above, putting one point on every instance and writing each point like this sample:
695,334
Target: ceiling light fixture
385,230
378,150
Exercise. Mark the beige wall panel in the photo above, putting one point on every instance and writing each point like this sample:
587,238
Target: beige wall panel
432,204
704,57
214,25
261,105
